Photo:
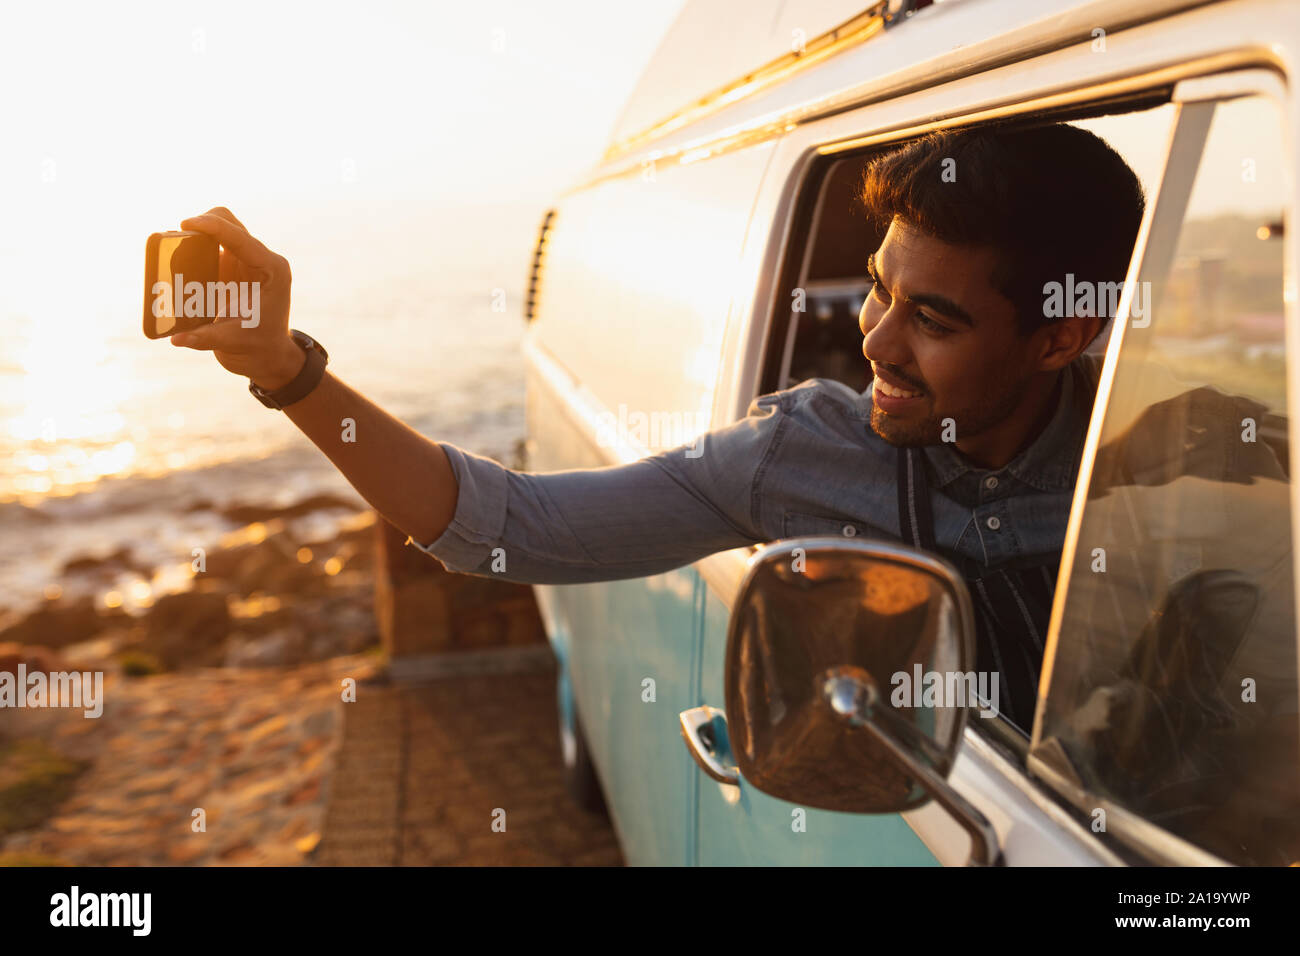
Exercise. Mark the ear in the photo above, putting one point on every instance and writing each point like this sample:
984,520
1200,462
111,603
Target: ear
1064,339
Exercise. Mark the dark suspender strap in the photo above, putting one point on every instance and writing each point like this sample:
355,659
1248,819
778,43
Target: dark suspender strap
1012,606
914,520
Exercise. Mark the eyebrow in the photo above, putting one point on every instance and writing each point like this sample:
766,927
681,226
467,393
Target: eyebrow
940,303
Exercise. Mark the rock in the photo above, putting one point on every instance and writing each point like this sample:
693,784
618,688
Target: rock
290,576
256,566
26,512
270,566
109,564
59,623
35,657
187,628
262,614
340,627
222,563
325,644
271,650
247,514
96,653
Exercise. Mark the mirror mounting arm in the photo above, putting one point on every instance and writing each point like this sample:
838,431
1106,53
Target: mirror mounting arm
985,849
853,695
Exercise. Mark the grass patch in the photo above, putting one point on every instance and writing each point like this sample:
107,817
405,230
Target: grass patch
140,663
34,780
30,859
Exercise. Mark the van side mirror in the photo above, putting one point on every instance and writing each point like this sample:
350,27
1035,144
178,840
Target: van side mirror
849,678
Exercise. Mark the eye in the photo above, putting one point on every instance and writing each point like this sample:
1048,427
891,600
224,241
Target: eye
931,326
877,289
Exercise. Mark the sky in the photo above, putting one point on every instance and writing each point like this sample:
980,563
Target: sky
401,155
267,100
312,122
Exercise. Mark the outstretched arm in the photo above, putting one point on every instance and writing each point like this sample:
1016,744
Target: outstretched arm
403,475
471,513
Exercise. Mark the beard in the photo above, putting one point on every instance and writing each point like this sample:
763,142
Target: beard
990,411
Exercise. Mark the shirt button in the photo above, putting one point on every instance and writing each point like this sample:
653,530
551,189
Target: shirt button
991,482
993,523
849,531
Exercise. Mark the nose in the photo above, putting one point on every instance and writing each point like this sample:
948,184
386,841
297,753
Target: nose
882,328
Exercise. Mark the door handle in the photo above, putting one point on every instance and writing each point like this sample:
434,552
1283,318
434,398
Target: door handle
705,731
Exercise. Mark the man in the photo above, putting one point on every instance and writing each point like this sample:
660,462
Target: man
967,444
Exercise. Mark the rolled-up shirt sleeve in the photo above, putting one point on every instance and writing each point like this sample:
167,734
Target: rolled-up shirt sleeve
620,521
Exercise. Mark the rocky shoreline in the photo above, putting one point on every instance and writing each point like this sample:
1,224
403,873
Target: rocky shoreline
271,594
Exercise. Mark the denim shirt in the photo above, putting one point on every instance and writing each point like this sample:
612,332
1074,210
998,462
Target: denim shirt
803,461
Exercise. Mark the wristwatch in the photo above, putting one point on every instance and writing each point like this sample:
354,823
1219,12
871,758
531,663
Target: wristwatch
312,371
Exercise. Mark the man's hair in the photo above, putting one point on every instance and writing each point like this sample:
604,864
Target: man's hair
1050,199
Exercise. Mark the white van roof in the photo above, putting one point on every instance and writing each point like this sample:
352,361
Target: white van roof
701,69
713,42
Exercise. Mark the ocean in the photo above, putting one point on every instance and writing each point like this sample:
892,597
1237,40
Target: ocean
110,441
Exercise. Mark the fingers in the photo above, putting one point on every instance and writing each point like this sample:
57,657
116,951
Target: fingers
224,335
229,263
235,238
224,213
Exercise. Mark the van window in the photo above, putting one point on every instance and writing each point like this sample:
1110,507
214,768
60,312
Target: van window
1174,688
815,320
834,238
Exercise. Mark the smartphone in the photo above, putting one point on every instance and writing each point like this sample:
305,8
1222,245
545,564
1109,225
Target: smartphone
179,270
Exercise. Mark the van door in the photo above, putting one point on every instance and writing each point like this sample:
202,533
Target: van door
811,334
739,824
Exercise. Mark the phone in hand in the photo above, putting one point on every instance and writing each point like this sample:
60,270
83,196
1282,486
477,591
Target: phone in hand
181,282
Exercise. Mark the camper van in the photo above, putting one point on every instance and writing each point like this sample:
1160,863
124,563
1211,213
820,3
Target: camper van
737,710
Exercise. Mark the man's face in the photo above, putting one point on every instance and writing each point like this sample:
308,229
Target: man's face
935,326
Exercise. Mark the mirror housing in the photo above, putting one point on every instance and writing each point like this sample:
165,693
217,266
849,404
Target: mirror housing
848,678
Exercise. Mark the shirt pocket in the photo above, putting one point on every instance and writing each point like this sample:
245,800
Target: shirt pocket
797,525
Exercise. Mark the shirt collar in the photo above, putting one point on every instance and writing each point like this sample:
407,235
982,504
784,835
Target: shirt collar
1051,462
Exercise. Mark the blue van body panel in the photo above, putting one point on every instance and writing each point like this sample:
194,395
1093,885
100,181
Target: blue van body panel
610,638
629,667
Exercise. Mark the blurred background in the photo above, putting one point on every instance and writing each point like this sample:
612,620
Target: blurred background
401,155
163,529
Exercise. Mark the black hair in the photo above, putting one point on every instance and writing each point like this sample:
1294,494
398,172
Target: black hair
1051,199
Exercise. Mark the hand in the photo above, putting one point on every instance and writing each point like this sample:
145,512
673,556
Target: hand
1197,433
264,352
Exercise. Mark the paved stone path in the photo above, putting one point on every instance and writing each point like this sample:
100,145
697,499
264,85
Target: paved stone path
423,767
252,749
287,773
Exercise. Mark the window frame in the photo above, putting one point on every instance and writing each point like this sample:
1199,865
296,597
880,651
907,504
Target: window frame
783,329
1197,99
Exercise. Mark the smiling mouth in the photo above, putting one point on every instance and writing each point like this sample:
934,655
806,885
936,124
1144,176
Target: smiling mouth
891,390
895,392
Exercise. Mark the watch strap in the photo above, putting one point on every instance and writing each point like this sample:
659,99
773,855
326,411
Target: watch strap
313,370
